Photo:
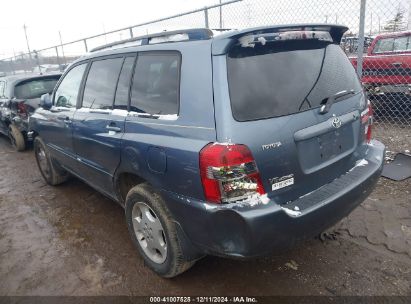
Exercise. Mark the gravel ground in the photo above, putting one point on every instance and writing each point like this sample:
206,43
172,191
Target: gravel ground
70,240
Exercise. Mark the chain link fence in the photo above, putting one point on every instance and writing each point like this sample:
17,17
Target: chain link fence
377,42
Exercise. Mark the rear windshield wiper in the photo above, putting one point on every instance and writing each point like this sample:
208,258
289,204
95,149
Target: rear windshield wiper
327,103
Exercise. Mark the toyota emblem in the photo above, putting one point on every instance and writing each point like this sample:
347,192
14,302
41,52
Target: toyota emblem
336,122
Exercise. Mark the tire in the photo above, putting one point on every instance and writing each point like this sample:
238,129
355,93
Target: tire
169,261
52,173
17,138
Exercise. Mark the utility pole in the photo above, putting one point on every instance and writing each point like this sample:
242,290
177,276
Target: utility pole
105,35
371,25
360,50
336,19
248,12
62,49
221,16
27,40
409,17
326,18
379,24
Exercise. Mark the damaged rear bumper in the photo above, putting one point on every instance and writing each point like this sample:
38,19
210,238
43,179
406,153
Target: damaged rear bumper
248,231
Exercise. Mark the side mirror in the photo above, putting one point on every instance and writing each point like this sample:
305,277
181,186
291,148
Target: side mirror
45,101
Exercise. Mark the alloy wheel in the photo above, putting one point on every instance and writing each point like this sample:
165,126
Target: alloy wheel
149,232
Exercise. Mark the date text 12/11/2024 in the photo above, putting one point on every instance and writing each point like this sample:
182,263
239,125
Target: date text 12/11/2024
239,299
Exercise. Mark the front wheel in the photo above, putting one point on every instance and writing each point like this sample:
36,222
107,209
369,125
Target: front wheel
52,173
154,233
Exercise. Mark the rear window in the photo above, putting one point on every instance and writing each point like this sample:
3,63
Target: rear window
35,88
402,44
384,45
285,77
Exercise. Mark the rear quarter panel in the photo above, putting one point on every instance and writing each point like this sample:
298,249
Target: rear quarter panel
166,152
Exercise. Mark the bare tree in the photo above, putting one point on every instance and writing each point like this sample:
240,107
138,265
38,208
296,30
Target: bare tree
397,23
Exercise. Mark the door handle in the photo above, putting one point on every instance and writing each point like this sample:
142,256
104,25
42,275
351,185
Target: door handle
113,128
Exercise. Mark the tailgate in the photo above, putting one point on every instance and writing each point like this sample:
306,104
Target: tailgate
299,153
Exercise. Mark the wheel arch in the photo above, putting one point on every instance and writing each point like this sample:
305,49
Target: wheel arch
123,182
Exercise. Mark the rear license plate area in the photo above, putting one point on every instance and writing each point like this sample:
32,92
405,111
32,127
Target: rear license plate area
330,145
323,149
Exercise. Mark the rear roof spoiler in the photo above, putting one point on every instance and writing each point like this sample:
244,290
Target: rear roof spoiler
223,42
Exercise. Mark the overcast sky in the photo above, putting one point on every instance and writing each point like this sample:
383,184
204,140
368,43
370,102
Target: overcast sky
77,18
81,18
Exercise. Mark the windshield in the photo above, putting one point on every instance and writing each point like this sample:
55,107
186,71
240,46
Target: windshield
35,88
286,77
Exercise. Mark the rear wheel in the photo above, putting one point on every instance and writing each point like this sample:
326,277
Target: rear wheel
154,233
52,173
17,138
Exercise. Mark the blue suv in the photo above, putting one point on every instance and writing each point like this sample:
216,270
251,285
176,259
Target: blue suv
232,145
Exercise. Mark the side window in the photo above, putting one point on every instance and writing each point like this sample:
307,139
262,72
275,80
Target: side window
401,44
384,45
121,99
156,83
101,83
67,92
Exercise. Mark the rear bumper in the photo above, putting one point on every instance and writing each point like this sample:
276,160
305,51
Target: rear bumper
247,231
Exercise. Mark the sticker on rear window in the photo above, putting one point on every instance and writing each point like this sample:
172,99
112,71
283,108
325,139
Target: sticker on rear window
282,182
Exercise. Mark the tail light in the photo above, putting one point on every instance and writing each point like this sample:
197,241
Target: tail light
22,109
229,173
367,121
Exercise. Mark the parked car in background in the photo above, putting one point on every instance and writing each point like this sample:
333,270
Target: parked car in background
387,66
234,145
350,43
19,97
48,68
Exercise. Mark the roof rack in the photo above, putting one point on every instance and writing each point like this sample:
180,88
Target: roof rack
222,29
162,37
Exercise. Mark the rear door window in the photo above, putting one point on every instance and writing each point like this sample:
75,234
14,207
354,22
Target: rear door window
156,83
122,92
68,90
285,77
101,83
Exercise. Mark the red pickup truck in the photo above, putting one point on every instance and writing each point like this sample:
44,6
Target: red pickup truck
387,65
